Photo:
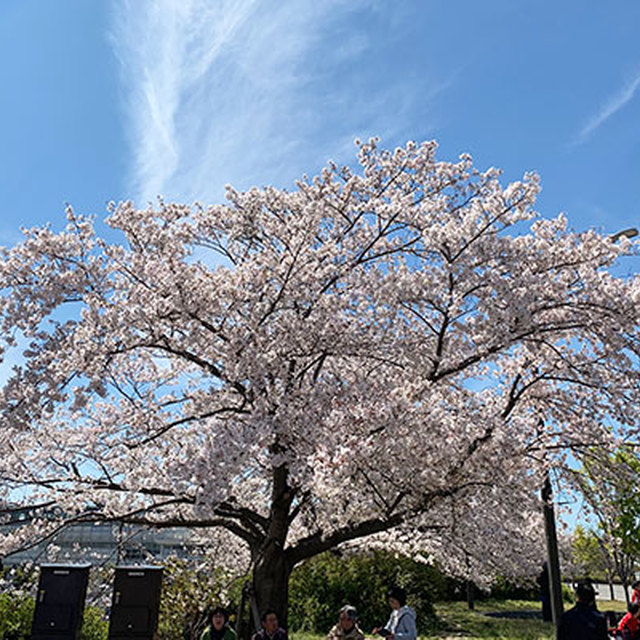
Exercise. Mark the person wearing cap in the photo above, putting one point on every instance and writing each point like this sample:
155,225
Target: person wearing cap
583,621
402,622
347,628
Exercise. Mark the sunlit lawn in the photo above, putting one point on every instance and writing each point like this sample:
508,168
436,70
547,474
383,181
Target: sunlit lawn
456,621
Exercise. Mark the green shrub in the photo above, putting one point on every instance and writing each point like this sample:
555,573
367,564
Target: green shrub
504,589
567,594
95,625
16,615
322,585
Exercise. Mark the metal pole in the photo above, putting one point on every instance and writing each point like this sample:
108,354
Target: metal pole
555,585
239,621
471,601
471,604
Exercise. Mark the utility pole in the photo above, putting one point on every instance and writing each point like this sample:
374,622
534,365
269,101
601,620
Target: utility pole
471,596
555,584
553,560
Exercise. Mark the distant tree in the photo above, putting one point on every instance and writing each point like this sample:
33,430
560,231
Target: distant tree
387,355
611,491
591,558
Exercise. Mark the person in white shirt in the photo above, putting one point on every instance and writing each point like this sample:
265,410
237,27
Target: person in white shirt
402,622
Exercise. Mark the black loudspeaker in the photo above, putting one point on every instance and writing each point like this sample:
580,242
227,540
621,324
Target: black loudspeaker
60,602
135,603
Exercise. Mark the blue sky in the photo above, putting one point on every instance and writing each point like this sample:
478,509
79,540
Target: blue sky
117,100
113,100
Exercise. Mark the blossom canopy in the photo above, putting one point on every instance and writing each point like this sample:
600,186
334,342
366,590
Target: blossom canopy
393,353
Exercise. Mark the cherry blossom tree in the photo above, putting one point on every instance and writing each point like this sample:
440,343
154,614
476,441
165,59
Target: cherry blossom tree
392,354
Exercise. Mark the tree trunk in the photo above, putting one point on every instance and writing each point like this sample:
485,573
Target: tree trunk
271,581
271,565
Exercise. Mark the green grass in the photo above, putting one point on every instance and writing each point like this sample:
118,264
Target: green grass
455,621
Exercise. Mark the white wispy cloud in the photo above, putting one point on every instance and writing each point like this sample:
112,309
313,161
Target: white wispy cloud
209,88
165,49
244,91
610,108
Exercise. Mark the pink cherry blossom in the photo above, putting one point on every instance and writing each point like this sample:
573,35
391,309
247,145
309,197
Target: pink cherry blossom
385,356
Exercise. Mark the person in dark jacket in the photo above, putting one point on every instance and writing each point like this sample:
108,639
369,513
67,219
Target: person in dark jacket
271,629
545,593
583,621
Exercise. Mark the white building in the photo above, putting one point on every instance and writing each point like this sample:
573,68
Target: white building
101,543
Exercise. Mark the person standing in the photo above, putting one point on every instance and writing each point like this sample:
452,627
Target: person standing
583,621
545,593
347,628
402,622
